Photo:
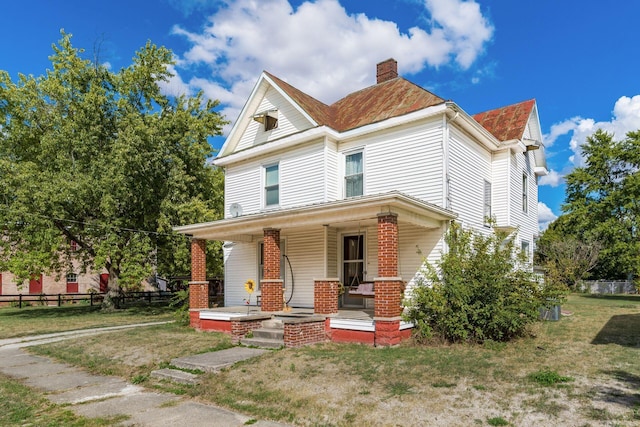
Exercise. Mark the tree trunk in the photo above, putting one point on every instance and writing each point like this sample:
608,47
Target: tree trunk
112,300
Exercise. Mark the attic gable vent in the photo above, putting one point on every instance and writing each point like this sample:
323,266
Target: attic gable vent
268,118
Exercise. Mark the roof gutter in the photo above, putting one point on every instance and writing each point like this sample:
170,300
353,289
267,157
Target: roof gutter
457,115
321,132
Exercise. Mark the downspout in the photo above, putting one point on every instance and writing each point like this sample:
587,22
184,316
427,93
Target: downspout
325,254
447,119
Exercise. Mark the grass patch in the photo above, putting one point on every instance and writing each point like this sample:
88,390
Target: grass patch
133,353
547,377
20,406
350,384
497,421
18,322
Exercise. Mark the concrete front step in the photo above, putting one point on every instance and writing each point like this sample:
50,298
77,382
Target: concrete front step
269,333
262,342
273,324
176,376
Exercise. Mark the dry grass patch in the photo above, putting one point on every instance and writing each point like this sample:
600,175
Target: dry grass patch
410,385
18,322
133,353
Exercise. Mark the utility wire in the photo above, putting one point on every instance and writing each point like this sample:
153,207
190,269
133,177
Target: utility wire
112,227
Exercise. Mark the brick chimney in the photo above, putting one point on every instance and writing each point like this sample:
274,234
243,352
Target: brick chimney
386,70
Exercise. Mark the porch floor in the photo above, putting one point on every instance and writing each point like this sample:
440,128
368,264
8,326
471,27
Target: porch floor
344,313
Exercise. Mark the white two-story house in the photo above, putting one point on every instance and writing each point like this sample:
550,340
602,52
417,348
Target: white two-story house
358,194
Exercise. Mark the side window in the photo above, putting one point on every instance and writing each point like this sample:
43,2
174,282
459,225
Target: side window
526,249
525,193
353,175
272,185
487,202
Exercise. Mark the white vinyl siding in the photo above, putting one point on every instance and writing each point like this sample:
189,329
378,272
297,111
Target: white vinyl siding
500,186
242,185
408,160
469,168
241,264
525,193
331,171
487,202
302,176
290,121
302,179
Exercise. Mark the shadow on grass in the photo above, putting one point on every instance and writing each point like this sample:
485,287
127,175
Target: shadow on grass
626,394
621,329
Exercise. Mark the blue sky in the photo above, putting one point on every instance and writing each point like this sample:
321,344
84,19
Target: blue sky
579,59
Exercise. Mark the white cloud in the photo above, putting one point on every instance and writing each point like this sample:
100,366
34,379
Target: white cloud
625,118
322,49
553,179
545,216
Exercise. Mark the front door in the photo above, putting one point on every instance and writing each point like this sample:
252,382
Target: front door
352,267
35,284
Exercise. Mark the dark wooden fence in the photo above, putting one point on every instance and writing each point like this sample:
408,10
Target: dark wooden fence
92,298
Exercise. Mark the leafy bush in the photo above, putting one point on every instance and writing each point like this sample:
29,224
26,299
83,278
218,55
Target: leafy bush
180,302
479,290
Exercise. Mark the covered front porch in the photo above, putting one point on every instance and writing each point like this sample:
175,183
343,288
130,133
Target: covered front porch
346,275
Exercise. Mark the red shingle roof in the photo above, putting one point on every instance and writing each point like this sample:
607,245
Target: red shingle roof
382,101
507,123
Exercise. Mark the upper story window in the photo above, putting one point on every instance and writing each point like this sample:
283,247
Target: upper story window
353,175
72,278
272,185
487,202
525,193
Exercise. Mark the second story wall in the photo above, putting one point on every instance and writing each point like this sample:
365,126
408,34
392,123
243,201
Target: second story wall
469,168
406,159
300,179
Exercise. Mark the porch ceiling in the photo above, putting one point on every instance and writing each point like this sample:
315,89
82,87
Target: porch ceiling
336,213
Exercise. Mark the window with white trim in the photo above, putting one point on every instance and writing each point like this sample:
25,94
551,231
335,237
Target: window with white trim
353,175
525,247
525,193
272,185
487,202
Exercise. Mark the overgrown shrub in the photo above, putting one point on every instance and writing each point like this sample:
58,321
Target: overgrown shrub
180,302
479,290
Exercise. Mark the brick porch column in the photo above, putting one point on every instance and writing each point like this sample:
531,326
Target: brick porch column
271,285
198,286
388,284
325,296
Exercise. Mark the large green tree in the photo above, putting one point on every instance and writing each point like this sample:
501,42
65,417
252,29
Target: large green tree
106,160
603,202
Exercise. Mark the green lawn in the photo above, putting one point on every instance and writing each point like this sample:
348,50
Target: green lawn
582,370
17,322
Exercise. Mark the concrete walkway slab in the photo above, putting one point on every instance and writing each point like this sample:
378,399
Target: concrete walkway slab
216,360
61,381
129,405
101,396
39,369
109,388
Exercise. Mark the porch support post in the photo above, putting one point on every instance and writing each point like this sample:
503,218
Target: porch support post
388,285
271,285
325,296
198,286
